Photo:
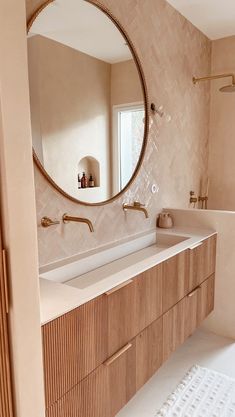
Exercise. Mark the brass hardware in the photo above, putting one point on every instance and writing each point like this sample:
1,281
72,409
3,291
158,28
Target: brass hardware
118,354
196,246
203,200
139,65
194,292
118,287
193,198
47,222
4,266
136,206
67,219
214,77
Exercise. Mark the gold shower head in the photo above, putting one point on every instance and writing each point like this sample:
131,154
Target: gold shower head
230,88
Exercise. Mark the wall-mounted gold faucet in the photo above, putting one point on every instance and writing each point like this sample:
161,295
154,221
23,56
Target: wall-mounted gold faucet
67,219
135,206
47,222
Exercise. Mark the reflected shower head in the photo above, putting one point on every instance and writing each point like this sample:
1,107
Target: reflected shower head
230,88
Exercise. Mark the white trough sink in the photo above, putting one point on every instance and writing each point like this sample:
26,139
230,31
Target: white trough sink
85,270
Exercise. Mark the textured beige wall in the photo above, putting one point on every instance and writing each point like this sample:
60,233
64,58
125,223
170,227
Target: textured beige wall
222,129
171,50
125,83
19,213
72,92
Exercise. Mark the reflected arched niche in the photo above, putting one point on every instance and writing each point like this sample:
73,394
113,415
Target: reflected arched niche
90,166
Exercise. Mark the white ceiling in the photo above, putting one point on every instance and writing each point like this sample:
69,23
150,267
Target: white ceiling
82,26
215,18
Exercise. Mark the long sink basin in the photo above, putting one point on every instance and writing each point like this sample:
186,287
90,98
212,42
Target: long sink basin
86,270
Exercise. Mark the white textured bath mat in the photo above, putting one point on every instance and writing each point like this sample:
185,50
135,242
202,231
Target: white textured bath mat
201,393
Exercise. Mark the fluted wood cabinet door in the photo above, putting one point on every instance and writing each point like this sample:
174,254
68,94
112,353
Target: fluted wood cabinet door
174,285
148,297
122,316
191,312
74,345
201,262
6,407
87,399
206,299
173,329
149,352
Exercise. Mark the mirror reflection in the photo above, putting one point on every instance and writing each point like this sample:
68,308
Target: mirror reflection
87,102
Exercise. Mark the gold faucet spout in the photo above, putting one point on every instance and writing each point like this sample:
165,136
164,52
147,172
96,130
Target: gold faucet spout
136,206
67,219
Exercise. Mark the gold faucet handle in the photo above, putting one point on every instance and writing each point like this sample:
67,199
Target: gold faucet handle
47,222
138,204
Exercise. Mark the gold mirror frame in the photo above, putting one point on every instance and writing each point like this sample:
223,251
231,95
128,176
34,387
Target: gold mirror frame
146,105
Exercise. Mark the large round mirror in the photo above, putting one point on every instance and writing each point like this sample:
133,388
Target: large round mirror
89,108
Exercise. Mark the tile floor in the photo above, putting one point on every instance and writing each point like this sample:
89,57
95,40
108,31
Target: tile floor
203,348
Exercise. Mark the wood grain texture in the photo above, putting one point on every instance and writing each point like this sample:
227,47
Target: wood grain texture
149,352
87,399
190,312
206,299
121,317
6,402
175,272
103,392
201,262
173,329
122,380
148,297
74,345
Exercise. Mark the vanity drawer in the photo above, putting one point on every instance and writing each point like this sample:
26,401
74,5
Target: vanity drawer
132,306
103,392
201,262
173,329
206,299
73,346
121,307
148,297
175,273
149,352
191,312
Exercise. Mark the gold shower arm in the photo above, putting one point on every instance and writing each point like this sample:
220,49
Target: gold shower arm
214,77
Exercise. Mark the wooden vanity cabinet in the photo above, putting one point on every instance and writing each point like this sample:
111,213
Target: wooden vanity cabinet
201,262
97,356
173,329
181,320
73,346
149,352
132,306
206,299
175,273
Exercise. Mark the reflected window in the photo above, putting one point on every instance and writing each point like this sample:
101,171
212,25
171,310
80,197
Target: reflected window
128,130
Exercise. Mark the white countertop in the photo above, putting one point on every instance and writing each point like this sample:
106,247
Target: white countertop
57,299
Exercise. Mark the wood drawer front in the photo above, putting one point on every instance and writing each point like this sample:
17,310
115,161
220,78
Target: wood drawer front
175,272
201,262
148,297
191,312
74,345
121,305
206,299
87,399
173,329
149,354
104,392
